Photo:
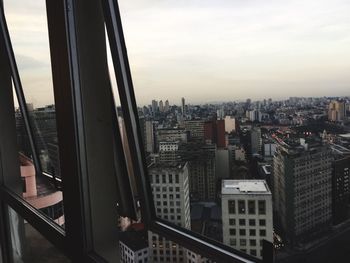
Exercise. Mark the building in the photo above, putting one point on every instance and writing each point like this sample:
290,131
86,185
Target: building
230,124
214,132
246,215
340,183
166,107
161,106
168,151
256,140
303,188
133,247
183,107
149,136
170,185
336,111
196,129
154,107
41,192
202,169
171,135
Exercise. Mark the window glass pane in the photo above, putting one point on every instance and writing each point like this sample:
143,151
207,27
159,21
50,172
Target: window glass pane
29,246
40,190
27,24
249,101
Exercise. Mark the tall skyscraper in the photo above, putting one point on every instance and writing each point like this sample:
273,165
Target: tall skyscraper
170,184
246,215
202,169
154,107
256,140
167,106
149,138
337,111
161,106
230,124
183,107
303,188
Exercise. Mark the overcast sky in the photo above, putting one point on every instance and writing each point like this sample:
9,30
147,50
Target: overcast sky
209,50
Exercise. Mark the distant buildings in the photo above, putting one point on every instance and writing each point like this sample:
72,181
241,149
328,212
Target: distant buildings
246,215
170,185
337,111
183,107
303,188
256,140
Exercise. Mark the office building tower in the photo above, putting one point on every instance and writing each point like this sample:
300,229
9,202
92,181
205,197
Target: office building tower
154,107
256,140
166,107
196,129
133,247
150,136
340,183
170,185
168,151
171,135
336,111
303,188
161,106
230,124
183,107
214,132
246,215
202,169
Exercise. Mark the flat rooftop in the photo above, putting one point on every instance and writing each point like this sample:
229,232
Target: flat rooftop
244,187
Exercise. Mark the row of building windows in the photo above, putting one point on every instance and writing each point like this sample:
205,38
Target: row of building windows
243,222
242,209
243,232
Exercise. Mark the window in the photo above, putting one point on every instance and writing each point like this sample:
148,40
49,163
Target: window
241,206
262,222
232,231
242,232
262,232
242,222
232,221
251,207
251,222
231,207
252,232
262,207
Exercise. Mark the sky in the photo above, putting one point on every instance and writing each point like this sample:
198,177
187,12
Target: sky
209,50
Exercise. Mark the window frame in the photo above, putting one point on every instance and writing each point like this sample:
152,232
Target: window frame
68,23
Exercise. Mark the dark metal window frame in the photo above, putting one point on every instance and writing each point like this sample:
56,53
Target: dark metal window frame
69,24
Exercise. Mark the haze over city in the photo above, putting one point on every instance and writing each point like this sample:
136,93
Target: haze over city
209,50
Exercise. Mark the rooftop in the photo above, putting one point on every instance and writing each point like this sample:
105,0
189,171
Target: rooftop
244,187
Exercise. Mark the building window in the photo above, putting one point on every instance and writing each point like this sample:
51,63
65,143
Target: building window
251,207
242,232
252,222
242,222
262,232
262,222
241,206
231,207
232,221
252,232
232,231
242,242
262,207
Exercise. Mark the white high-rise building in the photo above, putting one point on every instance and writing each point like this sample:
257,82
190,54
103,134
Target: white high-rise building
246,215
230,124
170,185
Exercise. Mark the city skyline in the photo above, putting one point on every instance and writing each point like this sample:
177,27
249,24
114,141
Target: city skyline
209,51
